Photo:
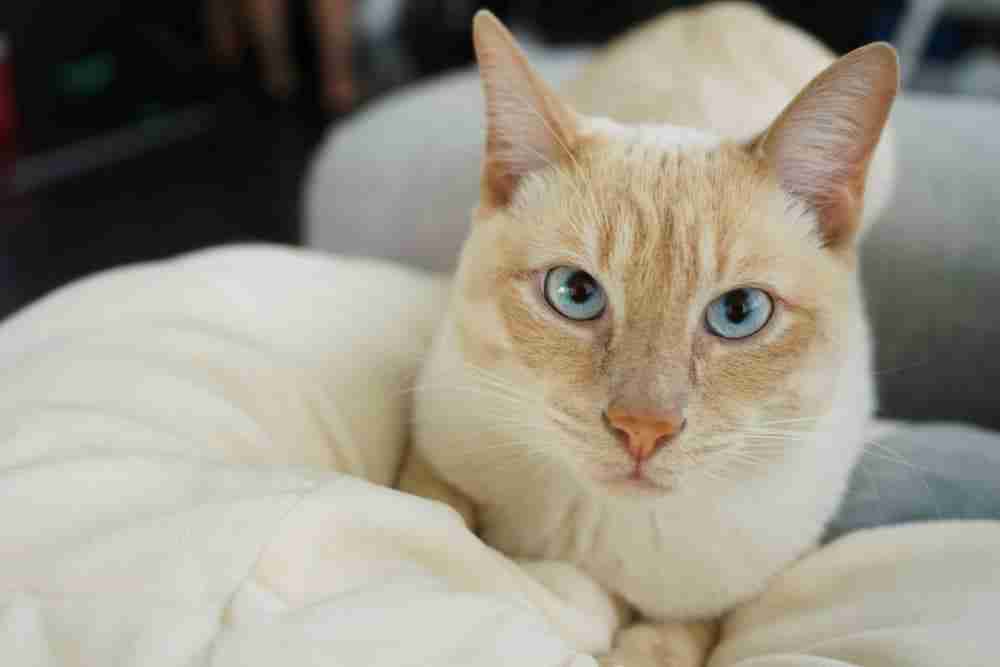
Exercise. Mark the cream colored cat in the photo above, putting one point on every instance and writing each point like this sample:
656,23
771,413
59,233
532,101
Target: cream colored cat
655,365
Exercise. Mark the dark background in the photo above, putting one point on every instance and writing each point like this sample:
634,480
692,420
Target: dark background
132,144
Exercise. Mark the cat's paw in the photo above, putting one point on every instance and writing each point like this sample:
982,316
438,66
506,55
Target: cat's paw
601,614
417,477
579,590
661,645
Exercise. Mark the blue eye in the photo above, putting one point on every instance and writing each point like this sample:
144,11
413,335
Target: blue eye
739,313
574,293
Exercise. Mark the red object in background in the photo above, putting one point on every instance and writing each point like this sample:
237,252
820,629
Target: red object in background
7,121
6,92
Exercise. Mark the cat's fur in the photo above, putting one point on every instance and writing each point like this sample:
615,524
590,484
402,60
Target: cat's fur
693,189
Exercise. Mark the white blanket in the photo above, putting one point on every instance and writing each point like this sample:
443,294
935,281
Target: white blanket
173,439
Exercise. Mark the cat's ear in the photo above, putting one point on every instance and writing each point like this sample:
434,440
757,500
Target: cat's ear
527,126
821,144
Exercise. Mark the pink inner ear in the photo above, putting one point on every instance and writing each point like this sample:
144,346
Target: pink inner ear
821,145
522,140
528,128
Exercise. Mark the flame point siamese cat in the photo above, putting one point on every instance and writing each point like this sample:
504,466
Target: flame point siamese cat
655,362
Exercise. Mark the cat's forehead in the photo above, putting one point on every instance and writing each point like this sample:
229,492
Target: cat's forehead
621,198
657,216
653,136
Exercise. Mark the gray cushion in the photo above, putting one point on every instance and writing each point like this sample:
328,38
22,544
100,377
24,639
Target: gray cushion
932,265
924,473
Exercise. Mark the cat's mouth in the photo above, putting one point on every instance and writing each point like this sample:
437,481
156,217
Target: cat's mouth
637,486
636,481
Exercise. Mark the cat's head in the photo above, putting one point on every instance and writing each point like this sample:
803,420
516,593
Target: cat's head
645,302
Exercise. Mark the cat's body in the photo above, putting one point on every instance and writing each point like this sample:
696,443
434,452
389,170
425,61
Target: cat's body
520,413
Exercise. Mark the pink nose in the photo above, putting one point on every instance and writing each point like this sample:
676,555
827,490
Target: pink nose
644,433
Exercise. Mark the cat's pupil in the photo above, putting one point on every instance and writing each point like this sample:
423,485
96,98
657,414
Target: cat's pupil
580,287
738,306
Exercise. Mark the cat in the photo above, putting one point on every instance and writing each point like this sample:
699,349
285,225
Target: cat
655,364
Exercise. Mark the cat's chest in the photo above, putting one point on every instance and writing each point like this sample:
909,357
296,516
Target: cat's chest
679,561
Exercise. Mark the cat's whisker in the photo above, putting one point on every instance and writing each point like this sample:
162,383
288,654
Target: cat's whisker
502,450
883,451
462,388
774,437
716,473
793,420
503,394
776,433
799,427
499,405
747,454
483,384
529,399
510,451
501,426
489,377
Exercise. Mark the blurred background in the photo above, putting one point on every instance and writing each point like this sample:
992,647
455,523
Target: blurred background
131,131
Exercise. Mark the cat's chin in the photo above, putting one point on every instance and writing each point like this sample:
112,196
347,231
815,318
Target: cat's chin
631,486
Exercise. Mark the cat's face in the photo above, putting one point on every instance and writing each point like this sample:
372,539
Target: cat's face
663,234
657,277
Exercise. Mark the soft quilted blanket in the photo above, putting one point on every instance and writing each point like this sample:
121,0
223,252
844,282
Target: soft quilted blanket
194,460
